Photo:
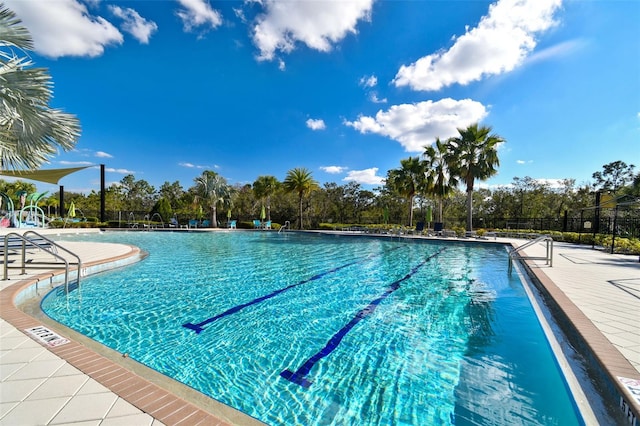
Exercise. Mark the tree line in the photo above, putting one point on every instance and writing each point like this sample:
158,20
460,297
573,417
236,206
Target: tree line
299,196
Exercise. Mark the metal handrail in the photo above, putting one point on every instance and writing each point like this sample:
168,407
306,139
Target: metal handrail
548,256
286,225
40,246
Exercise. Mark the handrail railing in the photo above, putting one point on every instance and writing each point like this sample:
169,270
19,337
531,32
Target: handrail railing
42,243
548,257
286,225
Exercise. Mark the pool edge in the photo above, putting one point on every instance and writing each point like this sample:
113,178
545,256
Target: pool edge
589,341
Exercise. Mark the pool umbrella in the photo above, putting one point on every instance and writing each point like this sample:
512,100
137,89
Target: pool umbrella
72,210
385,215
229,214
263,215
428,216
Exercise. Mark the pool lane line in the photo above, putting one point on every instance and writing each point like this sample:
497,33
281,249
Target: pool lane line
299,376
198,328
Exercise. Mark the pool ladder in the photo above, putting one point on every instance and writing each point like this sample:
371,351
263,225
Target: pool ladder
15,243
286,225
548,257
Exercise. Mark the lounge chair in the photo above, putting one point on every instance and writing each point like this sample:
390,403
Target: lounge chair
173,223
419,228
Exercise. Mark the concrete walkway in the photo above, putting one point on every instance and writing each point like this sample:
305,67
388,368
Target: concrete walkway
597,293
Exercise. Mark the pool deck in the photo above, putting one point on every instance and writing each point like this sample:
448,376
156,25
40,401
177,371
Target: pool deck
596,293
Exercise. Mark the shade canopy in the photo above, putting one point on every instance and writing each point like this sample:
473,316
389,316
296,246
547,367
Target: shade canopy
52,176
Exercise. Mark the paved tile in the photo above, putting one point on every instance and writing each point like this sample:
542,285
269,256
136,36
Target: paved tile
93,406
54,387
36,412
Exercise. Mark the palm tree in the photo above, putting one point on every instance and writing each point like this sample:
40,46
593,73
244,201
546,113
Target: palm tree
213,189
473,155
30,131
263,188
440,183
408,180
300,180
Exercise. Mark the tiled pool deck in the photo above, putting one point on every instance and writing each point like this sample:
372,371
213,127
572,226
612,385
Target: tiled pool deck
597,293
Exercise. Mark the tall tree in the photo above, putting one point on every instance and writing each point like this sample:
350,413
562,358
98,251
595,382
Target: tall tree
264,187
440,183
614,176
139,195
408,180
473,155
172,192
301,181
30,130
213,189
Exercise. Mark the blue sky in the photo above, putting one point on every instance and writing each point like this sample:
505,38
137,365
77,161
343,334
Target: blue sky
167,89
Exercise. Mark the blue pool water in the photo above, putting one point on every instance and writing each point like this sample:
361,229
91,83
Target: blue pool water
304,329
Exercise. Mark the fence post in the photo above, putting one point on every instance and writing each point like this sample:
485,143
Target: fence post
615,224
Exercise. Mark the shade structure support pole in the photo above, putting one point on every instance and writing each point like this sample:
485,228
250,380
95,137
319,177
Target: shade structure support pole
102,194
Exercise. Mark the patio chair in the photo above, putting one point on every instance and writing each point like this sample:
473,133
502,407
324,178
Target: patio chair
193,223
205,223
267,225
232,224
419,228
257,224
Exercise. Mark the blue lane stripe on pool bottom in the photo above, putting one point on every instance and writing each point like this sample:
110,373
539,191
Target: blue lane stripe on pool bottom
299,376
198,328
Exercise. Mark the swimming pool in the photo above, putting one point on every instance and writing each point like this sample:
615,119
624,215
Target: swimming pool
311,329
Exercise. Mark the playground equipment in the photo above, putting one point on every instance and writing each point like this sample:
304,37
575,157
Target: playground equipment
32,216
6,211
29,215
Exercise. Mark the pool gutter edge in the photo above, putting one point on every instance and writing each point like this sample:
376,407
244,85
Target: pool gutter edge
589,340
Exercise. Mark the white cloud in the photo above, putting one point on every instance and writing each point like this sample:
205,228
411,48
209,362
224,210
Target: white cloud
417,125
196,166
317,24
369,81
314,124
65,28
198,13
102,154
121,171
334,170
135,24
373,97
366,176
561,50
551,182
524,162
500,42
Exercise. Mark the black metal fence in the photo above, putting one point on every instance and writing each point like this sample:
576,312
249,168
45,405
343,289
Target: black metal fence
625,223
